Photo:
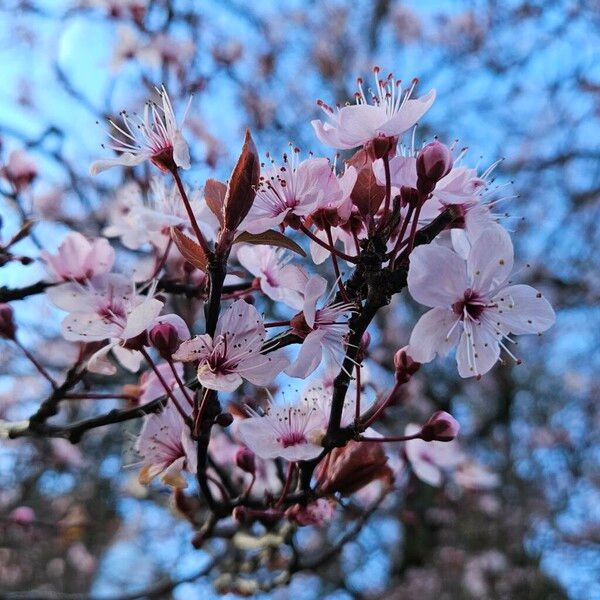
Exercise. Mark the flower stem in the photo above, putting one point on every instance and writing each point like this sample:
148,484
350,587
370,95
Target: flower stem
288,483
336,267
180,383
188,207
34,361
314,238
166,386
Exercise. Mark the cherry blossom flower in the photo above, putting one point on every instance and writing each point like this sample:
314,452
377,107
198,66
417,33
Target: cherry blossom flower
473,303
390,113
79,259
321,329
166,447
293,189
430,460
106,307
20,169
290,431
138,222
155,136
234,354
315,513
270,266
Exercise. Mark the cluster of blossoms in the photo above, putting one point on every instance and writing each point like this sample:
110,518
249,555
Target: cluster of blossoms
393,213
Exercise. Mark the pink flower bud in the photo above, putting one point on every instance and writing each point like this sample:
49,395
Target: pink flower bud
8,329
23,515
405,366
433,162
245,460
440,427
165,338
224,419
381,146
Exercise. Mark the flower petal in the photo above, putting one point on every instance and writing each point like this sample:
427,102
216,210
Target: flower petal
437,276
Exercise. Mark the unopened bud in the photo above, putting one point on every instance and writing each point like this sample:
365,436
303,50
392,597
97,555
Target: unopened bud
165,338
405,366
434,162
410,196
245,460
224,419
381,146
8,329
440,427
23,515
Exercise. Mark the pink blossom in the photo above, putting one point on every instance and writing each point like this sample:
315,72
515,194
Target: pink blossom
270,266
440,427
390,113
20,169
166,447
315,513
155,137
234,354
473,304
106,307
291,190
290,431
78,259
325,328
429,460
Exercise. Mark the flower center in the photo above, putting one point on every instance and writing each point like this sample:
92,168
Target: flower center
472,304
292,438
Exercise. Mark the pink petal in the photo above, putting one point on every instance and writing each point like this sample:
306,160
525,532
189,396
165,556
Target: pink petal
430,335
491,259
437,276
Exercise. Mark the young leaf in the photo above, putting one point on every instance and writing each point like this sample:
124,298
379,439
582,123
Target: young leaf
190,250
242,185
269,238
214,194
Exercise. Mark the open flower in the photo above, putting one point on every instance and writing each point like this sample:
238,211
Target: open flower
166,447
155,136
269,266
293,189
79,259
235,352
106,307
321,329
473,304
389,114
290,431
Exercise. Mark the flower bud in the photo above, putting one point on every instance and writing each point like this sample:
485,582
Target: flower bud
8,329
381,146
410,196
224,419
165,338
440,427
434,162
23,515
245,460
405,366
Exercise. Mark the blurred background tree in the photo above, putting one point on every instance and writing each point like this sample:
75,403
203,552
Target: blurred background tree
517,80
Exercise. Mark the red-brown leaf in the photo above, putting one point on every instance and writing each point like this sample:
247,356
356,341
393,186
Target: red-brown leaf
242,185
214,194
269,238
190,250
